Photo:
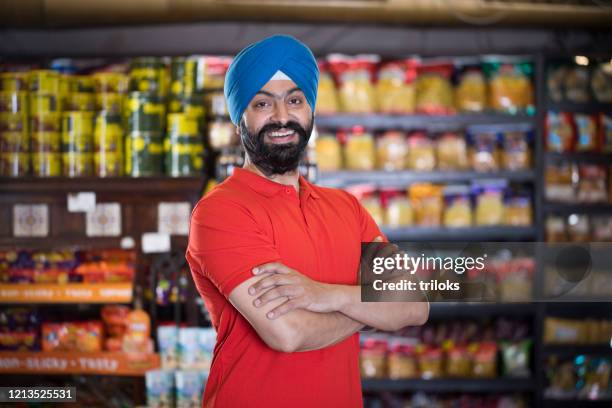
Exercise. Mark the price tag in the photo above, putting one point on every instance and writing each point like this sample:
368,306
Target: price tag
155,242
81,202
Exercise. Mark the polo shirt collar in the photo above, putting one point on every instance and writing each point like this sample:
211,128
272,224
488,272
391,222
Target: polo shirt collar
268,187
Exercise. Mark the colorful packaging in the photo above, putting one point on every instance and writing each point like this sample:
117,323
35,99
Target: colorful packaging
327,96
190,386
354,77
560,132
434,91
484,148
395,87
167,343
207,337
421,152
329,152
586,132
160,388
516,153
83,336
510,87
188,348
471,90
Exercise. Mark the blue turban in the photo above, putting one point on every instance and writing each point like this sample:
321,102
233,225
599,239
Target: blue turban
255,65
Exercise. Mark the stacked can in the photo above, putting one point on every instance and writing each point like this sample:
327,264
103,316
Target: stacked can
77,126
111,88
145,112
14,136
184,147
45,104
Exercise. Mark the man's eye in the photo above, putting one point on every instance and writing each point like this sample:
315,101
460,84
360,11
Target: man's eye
295,101
261,104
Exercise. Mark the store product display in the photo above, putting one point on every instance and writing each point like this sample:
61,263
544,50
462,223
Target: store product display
186,355
63,266
365,84
479,148
579,228
574,331
486,203
116,330
583,377
454,349
578,132
578,183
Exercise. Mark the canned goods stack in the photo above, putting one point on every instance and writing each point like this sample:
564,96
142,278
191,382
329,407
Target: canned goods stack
77,143
110,88
77,127
14,135
145,112
184,147
45,106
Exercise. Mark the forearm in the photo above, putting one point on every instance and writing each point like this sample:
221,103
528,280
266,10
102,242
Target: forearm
388,316
315,331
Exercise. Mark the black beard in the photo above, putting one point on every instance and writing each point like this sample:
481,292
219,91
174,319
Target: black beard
274,159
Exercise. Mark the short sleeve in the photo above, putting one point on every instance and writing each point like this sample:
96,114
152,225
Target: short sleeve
226,243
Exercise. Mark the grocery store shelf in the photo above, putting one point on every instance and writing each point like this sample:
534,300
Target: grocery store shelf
424,122
450,385
575,403
73,362
569,350
66,293
588,107
144,185
591,158
405,177
576,208
500,233
480,310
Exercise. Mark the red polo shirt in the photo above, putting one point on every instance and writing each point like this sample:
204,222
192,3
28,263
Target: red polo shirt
247,221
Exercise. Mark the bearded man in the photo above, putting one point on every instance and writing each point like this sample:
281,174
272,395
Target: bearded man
276,258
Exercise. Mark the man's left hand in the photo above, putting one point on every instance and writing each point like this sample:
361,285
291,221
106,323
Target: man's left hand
301,292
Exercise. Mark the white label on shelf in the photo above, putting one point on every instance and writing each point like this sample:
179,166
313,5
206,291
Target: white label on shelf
173,218
84,201
104,220
30,220
127,243
155,242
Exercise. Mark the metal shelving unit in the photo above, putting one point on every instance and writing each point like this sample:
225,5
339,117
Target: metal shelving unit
405,177
421,122
496,233
493,385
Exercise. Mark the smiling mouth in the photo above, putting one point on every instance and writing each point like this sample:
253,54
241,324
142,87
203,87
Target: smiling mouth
281,136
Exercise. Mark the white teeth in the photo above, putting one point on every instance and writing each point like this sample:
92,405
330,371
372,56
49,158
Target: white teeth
281,134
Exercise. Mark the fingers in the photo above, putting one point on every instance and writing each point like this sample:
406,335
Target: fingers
277,292
285,308
269,281
274,267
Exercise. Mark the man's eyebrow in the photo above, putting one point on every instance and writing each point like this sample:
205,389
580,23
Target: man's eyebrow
272,95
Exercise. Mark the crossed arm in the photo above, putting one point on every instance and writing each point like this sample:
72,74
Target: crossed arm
292,312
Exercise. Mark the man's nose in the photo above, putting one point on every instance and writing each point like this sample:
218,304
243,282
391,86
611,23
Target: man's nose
281,114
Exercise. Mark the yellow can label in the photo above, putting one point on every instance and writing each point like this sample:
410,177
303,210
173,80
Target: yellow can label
46,164
44,81
155,148
153,108
13,81
43,103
